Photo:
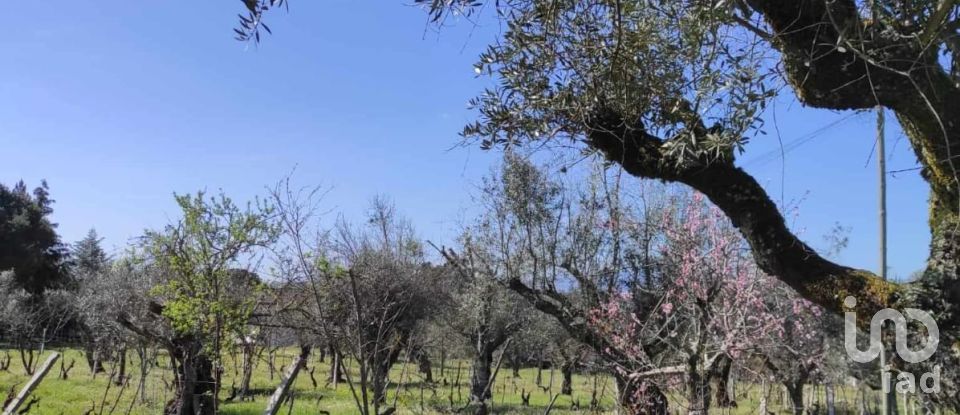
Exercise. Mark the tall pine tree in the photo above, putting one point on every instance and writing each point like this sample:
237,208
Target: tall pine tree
88,255
29,244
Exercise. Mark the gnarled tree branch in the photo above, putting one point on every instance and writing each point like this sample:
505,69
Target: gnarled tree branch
776,249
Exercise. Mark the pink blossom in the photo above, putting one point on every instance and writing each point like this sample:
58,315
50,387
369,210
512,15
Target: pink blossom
667,308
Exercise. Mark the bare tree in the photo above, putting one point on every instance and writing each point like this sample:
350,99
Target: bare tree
387,285
363,290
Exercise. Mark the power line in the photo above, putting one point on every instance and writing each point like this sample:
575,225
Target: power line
772,155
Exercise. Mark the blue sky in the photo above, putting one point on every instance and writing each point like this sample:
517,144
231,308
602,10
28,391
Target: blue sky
118,104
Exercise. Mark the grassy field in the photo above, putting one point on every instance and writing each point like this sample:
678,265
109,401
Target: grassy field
82,392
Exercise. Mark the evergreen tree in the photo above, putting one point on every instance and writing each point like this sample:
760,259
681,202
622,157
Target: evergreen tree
29,244
88,255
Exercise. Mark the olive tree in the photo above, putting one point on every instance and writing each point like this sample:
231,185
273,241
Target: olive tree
673,90
119,295
482,311
30,321
566,252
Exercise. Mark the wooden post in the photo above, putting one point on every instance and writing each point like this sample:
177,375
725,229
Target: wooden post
906,404
34,381
273,405
763,396
829,392
550,406
459,394
863,401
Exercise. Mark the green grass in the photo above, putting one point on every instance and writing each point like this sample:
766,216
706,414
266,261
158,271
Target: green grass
82,392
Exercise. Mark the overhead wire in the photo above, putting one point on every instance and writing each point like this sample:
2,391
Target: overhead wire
774,154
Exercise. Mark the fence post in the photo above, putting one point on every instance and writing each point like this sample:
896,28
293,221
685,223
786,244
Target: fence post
831,398
34,381
273,405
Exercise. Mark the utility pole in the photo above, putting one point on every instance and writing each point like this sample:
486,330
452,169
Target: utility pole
888,405
887,398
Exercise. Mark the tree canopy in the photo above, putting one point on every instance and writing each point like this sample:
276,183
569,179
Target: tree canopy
29,244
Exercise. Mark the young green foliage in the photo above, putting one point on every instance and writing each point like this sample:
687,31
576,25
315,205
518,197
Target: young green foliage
200,255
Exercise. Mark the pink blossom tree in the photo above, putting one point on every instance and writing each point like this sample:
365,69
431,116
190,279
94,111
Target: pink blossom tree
709,308
795,353
665,292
